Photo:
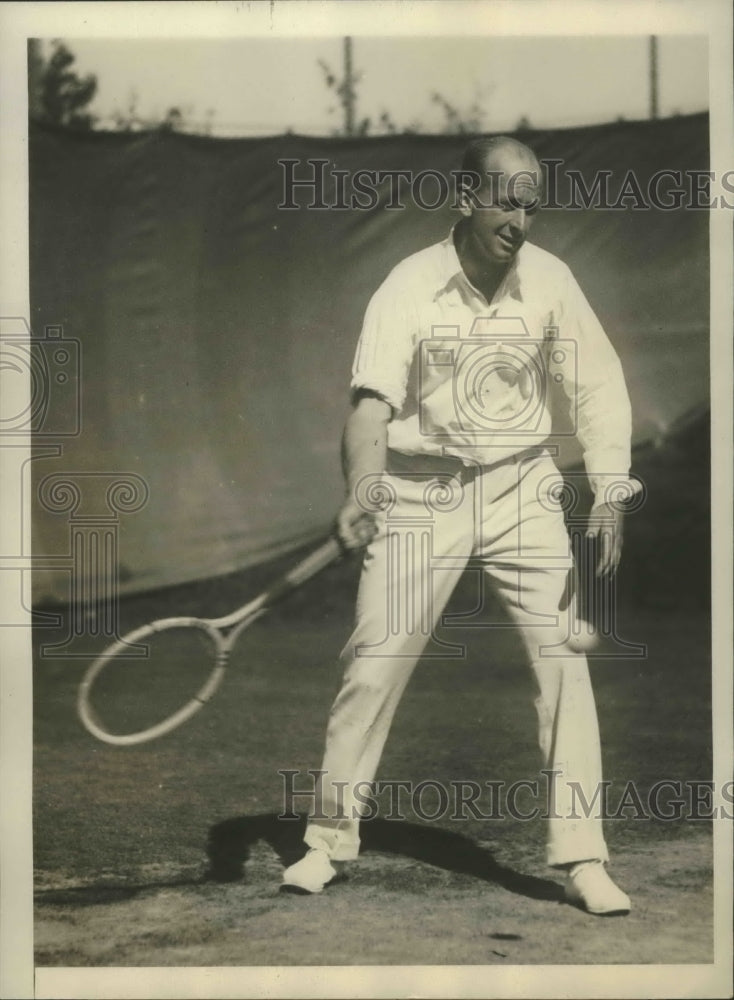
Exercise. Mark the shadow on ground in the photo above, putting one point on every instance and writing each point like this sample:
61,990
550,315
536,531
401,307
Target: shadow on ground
230,843
231,840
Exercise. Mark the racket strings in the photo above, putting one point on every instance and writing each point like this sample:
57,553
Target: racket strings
133,693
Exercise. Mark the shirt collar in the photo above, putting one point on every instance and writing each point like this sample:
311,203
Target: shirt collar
452,271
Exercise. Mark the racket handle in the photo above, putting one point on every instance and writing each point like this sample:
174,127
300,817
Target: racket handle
324,556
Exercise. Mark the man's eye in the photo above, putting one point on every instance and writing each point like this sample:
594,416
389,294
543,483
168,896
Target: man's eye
509,206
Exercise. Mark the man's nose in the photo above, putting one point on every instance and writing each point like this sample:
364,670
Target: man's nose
519,220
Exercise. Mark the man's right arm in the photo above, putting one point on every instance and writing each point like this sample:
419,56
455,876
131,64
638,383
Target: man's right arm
382,362
364,451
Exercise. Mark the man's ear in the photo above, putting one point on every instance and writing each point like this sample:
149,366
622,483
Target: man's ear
466,202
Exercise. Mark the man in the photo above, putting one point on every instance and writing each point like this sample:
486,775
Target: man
444,462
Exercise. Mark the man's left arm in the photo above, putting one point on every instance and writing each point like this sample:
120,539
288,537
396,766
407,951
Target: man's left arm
603,422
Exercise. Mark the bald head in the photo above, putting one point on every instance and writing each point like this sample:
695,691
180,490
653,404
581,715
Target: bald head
500,155
493,152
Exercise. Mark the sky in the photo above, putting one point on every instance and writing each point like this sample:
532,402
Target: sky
262,86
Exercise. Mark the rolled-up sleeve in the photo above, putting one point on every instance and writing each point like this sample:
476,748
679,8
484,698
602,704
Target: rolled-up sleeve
598,397
386,345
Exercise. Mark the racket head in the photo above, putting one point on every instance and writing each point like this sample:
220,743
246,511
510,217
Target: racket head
217,653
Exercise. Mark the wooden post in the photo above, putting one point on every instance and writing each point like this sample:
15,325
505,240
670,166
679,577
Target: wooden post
653,76
349,94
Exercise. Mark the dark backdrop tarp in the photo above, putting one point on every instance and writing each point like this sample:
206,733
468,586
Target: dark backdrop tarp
217,330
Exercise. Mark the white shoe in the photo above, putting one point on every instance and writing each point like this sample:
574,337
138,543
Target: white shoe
310,874
589,887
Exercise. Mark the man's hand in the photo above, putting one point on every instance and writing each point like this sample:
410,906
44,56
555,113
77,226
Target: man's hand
355,526
606,527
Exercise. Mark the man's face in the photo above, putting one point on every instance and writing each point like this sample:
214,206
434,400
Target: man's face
503,208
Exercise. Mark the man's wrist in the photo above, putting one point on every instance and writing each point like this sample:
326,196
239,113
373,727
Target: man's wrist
620,493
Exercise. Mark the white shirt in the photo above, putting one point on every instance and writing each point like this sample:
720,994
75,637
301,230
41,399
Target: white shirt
475,380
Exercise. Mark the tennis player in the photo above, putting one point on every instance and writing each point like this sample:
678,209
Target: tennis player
446,465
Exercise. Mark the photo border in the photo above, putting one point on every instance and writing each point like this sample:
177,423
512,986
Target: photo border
361,17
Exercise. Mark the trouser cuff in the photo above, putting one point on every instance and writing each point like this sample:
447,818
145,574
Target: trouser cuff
340,845
568,854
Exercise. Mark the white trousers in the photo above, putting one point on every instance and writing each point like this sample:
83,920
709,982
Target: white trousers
507,518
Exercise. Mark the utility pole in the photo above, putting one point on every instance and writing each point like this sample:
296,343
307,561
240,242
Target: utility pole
35,72
653,76
349,88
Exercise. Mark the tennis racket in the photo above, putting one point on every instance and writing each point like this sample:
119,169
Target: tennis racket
218,635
